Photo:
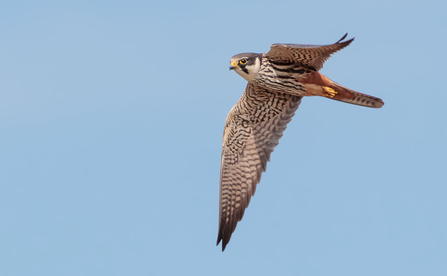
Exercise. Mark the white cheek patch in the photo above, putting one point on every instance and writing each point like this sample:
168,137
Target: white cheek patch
253,70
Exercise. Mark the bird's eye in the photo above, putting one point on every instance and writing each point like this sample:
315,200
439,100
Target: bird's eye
243,61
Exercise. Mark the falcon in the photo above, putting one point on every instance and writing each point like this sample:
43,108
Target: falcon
277,81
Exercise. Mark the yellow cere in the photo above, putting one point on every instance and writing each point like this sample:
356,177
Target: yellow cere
331,92
234,63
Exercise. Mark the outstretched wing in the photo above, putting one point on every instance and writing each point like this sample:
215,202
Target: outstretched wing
308,55
252,130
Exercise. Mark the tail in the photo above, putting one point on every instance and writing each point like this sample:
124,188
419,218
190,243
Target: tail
319,85
350,96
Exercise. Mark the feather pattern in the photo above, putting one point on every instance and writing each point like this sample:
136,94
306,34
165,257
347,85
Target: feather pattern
277,81
252,131
312,56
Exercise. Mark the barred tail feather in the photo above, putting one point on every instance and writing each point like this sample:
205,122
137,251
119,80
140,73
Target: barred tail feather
353,97
317,84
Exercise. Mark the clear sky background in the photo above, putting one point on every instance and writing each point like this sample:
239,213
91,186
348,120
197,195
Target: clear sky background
111,121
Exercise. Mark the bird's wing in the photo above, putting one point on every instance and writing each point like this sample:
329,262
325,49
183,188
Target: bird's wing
308,55
252,130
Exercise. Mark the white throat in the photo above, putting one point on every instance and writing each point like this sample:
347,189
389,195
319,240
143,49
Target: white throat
253,70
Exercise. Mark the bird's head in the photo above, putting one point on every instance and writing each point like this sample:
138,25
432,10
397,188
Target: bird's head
247,65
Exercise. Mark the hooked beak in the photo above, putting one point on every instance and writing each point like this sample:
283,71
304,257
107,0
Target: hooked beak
233,65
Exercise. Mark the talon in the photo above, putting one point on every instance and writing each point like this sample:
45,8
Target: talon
330,92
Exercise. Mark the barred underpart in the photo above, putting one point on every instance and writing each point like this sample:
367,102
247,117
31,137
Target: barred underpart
277,81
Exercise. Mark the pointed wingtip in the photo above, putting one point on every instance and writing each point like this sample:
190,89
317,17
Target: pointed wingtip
347,41
222,234
346,34
219,238
224,244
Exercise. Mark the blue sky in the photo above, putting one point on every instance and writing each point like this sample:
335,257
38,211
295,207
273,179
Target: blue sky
111,120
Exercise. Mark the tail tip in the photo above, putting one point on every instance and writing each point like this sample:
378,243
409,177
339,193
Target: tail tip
378,103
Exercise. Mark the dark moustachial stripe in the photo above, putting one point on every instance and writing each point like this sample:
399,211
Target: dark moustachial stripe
256,123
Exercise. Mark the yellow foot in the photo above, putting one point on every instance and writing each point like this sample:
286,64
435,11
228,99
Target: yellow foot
330,92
